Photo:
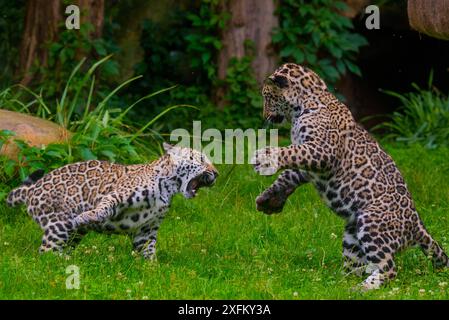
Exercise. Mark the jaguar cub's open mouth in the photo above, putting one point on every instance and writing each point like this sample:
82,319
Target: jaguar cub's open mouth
275,118
205,179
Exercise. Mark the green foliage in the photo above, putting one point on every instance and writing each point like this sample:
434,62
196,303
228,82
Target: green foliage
423,117
241,99
164,65
167,62
163,53
242,94
97,130
11,17
184,54
203,42
30,158
188,45
314,33
64,55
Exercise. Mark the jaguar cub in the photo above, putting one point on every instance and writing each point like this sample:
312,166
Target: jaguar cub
112,198
356,178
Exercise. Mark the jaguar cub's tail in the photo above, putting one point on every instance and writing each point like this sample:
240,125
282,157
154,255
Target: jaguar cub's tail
431,248
18,195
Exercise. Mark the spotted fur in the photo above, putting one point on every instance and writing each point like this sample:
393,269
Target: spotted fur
356,178
112,198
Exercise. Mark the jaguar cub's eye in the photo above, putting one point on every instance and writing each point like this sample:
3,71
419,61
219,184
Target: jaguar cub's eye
280,81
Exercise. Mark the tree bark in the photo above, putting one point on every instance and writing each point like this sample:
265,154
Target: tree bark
42,23
250,20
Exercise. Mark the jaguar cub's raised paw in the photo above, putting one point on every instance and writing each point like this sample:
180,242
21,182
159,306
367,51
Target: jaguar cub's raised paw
272,201
266,161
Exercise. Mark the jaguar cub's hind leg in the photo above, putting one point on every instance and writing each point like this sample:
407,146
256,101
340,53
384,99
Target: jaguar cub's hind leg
431,248
106,209
145,241
75,238
58,231
354,259
54,240
379,249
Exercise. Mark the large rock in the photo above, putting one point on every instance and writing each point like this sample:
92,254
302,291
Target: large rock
430,17
35,131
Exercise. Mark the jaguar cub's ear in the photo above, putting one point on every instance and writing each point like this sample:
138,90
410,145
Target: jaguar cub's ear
167,146
279,81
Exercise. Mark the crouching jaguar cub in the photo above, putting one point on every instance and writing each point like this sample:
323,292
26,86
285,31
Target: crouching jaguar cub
351,172
113,198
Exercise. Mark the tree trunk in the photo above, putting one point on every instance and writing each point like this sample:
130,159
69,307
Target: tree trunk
250,20
41,25
355,7
92,11
42,22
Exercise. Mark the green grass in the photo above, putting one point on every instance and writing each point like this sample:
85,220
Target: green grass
217,246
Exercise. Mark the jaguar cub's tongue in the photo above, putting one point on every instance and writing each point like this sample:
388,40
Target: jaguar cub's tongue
202,180
194,186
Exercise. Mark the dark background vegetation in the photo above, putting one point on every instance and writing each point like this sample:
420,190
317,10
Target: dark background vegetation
182,43
132,61
138,69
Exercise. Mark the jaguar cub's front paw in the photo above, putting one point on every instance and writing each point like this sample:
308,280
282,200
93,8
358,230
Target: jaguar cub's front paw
266,161
84,219
272,200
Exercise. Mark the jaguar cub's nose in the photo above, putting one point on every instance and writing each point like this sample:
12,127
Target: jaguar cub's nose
210,176
211,171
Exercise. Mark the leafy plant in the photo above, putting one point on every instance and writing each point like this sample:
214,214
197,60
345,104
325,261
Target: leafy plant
240,86
64,54
30,158
96,130
243,97
165,63
316,34
203,41
423,117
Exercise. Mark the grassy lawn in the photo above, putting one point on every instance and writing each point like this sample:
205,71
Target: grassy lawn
217,246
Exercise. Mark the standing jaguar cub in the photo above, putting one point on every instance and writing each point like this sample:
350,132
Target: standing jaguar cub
113,198
353,175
